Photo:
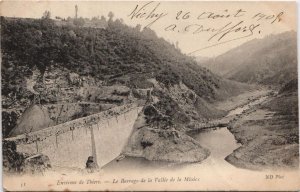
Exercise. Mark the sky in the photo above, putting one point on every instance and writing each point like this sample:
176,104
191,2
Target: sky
196,26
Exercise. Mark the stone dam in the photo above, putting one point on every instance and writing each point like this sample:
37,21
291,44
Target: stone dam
68,145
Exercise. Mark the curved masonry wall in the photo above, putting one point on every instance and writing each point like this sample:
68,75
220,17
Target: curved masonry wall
70,144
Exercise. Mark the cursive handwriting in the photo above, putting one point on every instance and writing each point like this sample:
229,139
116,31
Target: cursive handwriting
217,33
236,24
235,28
212,15
229,32
148,11
230,28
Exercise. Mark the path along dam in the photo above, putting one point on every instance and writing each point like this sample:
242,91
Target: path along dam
68,145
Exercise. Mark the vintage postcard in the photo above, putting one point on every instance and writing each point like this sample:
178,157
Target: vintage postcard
149,95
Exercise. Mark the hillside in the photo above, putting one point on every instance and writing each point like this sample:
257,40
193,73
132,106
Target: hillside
55,73
45,63
269,61
117,54
269,133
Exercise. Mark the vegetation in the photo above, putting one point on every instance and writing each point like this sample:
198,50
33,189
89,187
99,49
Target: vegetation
166,113
116,54
268,61
112,55
9,121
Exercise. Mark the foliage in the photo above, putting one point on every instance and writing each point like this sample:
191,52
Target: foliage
168,78
13,162
271,60
79,22
46,15
9,121
163,116
116,54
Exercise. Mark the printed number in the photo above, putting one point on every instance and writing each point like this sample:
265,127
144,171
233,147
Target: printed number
23,184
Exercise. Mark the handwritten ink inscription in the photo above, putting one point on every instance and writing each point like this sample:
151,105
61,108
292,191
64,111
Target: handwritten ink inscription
148,11
220,27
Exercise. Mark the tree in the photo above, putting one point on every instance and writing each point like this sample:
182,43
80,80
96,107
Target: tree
79,22
110,16
58,18
138,27
46,15
103,19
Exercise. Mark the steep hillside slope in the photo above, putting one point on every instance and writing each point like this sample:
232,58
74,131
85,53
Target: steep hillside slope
71,72
270,61
45,63
269,133
116,55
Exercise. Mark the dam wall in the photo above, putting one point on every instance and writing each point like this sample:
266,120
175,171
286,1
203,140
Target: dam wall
102,135
64,112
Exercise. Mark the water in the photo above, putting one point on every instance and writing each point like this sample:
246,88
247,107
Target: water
220,142
213,173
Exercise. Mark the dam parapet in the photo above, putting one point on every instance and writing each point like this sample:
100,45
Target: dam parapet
102,135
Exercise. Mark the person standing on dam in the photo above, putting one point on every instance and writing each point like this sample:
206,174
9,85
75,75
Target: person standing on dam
91,166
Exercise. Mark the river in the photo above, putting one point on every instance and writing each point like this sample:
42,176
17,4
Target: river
219,141
214,173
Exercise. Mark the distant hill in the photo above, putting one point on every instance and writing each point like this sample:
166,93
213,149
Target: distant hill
270,61
291,86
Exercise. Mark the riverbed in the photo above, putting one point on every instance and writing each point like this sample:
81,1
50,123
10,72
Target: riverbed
214,173
219,141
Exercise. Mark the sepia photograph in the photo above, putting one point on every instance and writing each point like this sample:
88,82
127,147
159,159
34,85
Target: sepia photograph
149,95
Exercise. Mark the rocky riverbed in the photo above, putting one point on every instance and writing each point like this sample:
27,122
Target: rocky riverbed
209,146
269,135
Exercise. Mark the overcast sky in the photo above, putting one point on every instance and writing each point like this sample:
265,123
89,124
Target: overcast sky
198,44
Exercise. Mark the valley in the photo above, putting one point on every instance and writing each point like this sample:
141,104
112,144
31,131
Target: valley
270,61
269,134
221,143
123,98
